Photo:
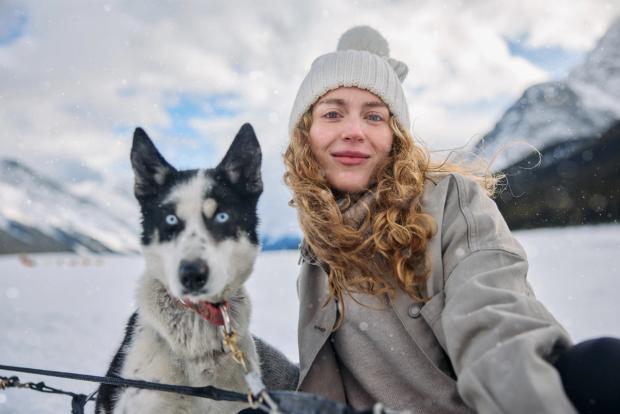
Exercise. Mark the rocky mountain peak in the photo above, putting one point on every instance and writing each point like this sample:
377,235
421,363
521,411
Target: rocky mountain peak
598,78
583,106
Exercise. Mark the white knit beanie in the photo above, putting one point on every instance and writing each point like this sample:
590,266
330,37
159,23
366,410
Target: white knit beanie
362,59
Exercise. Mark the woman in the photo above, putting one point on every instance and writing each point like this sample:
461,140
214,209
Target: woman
412,290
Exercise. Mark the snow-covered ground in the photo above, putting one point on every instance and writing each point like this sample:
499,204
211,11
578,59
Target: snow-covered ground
67,313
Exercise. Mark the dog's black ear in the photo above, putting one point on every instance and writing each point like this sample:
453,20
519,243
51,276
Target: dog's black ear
150,169
241,164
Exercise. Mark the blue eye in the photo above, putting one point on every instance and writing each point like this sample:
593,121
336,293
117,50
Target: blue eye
222,217
375,117
331,115
171,219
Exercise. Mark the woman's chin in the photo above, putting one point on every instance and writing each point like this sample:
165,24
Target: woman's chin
349,184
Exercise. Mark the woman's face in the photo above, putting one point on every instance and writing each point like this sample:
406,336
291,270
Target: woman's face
350,137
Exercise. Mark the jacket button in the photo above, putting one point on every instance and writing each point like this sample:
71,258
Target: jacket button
414,310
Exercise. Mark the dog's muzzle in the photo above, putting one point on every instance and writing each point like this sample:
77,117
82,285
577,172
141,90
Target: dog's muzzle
193,274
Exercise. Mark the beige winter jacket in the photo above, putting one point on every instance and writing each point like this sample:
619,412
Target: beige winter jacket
482,322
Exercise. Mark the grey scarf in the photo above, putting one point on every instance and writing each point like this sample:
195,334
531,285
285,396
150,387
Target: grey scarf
353,215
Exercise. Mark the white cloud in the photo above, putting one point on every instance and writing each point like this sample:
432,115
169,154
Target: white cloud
83,69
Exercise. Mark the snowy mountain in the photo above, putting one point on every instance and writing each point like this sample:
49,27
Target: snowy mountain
577,182
597,80
583,106
40,215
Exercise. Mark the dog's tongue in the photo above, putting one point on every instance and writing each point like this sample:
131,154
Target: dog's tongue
208,311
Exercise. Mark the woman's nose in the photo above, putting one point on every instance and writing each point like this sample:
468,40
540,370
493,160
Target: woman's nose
353,129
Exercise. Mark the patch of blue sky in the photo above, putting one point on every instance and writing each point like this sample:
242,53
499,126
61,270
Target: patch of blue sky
184,110
122,130
554,60
12,27
180,143
188,107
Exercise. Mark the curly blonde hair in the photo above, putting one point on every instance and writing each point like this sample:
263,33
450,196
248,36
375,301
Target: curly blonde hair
395,236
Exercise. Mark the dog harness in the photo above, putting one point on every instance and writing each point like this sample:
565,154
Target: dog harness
217,314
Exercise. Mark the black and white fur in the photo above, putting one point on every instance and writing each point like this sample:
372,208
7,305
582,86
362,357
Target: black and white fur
200,242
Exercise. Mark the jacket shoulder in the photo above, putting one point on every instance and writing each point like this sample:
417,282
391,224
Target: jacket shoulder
468,220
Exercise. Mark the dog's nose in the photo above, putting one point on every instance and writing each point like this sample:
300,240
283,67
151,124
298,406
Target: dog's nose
193,274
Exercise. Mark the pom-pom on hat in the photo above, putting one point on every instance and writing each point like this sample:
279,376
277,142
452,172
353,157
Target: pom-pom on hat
362,59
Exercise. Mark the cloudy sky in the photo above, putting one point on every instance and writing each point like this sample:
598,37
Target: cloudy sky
76,77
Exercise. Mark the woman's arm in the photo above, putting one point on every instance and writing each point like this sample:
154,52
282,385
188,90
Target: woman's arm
500,339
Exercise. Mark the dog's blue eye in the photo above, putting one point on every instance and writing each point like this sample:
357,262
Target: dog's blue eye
221,217
171,219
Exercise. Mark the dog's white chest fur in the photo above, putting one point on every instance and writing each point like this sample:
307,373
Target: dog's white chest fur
175,346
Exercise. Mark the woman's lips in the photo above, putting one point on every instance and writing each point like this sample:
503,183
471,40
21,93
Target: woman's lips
350,157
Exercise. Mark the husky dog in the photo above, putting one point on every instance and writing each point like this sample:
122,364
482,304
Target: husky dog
200,243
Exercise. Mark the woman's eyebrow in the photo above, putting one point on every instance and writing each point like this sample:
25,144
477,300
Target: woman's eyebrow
342,102
332,101
375,104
